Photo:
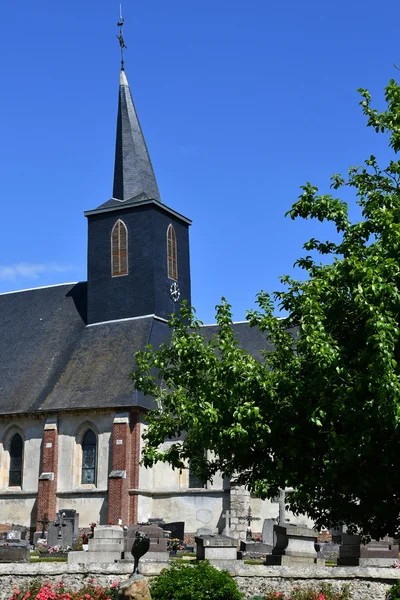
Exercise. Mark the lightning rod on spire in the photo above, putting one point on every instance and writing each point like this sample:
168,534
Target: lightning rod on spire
120,37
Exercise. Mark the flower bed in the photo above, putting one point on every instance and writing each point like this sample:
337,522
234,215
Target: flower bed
38,590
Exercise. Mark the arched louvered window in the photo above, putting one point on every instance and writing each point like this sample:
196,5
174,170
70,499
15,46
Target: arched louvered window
16,459
89,451
119,249
172,253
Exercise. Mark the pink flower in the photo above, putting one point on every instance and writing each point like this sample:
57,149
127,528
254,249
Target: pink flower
321,596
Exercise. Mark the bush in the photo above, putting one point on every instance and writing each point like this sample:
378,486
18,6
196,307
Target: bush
322,592
46,591
199,581
393,592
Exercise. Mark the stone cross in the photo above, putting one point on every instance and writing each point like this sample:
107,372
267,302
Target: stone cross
281,500
249,518
60,524
226,516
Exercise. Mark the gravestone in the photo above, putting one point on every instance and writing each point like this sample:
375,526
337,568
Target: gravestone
203,531
294,545
176,529
267,534
73,516
14,535
14,548
216,548
107,545
60,532
377,553
14,551
328,550
158,550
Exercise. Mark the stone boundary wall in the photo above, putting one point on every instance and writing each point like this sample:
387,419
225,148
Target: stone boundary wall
366,583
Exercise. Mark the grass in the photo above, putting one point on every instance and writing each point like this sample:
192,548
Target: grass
35,559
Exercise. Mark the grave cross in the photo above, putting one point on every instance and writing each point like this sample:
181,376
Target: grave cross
60,524
45,521
226,516
281,500
249,518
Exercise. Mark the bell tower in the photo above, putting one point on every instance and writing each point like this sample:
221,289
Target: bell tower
138,248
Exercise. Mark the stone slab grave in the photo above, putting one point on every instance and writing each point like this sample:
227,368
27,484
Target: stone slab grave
294,545
250,549
216,548
377,553
61,531
107,545
158,551
15,548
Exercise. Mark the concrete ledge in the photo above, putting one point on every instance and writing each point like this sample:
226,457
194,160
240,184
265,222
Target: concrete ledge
240,570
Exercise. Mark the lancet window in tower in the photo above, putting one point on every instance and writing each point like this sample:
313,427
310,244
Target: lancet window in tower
119,249
172,253
89,450
16,456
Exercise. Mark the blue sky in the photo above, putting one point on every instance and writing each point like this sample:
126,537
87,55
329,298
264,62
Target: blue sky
240,103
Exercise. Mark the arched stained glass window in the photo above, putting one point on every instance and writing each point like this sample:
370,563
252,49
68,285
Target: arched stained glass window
16,457
172,253
119,249
89,450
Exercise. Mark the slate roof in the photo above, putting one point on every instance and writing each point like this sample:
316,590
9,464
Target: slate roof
51,361
133,172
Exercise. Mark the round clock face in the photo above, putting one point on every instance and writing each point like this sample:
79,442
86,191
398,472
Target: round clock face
174,292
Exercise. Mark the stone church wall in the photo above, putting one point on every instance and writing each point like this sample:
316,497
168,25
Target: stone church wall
18,505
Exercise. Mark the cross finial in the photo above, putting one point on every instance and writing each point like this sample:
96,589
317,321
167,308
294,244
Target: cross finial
120,37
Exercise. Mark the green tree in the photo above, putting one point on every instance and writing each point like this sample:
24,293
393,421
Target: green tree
321,412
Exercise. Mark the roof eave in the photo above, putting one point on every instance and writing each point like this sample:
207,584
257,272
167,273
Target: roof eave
124,206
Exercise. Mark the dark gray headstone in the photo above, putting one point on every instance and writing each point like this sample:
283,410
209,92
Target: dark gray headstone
72,515
158,543
177,529
14,535
60,534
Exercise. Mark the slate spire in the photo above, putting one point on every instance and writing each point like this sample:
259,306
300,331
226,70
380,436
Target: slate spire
133,171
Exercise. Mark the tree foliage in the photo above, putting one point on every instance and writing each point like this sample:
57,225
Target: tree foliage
321,412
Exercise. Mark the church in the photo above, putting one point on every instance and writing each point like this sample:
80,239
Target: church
70,420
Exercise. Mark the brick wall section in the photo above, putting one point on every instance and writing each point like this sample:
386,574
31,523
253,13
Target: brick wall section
47,499
134,464
118,498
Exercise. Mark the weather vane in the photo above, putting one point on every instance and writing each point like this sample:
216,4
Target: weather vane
120,37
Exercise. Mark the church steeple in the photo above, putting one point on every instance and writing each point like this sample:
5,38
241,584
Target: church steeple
133,171
138,248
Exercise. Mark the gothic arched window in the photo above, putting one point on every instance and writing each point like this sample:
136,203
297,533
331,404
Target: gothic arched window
172,253
16,456
119,249
89,450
